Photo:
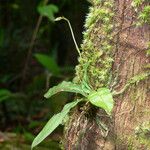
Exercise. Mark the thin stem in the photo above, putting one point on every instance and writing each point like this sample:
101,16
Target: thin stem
73,37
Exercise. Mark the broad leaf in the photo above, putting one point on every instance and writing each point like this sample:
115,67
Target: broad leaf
4,94
65,86
49,63
53,123
102,98
48,11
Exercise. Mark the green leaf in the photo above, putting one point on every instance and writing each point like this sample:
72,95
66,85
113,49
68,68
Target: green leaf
4,94
102,98
49,63
85,81
53,123
48,11
65,86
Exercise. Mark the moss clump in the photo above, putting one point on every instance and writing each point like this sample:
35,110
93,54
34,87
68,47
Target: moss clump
137,3
145,15
148,50
134,80
97,47
142,133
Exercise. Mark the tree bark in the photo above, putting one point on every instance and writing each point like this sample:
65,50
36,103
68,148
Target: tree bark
129,126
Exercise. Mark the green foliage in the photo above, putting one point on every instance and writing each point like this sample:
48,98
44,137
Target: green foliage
4,94
48,11
15,36
28,136
142,133
85,81
137,3
97,49
148,50
145,15
49,63
102,98
53,123
134,80
67,87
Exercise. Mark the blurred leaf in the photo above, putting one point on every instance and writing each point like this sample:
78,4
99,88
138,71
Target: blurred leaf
57,102
48,11
28,136
1,36
102,98
4,94
34,124
5,78
53,123
15,6
65,86
49,63
67,69
37,85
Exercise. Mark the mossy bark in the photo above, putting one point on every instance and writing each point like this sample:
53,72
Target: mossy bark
116,51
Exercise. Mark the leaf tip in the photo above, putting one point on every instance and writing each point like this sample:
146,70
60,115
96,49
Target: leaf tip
45,95
35,143
32,146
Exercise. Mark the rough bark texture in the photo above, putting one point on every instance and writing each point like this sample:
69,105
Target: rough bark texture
129,127
132,109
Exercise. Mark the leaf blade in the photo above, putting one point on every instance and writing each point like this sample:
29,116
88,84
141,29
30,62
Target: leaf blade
48,11
53,123
48,62
66,87
102,98
4,94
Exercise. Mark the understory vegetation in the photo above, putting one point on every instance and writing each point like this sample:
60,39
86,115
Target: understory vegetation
36,53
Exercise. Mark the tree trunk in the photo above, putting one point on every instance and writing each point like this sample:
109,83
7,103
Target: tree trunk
116,49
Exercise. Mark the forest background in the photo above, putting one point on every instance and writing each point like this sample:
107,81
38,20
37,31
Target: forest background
35,54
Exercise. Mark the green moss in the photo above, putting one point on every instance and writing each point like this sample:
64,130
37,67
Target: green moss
134,80
147,66
144,16
148,52
133,142
137,3
148,49
97,47
142,133
126,141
